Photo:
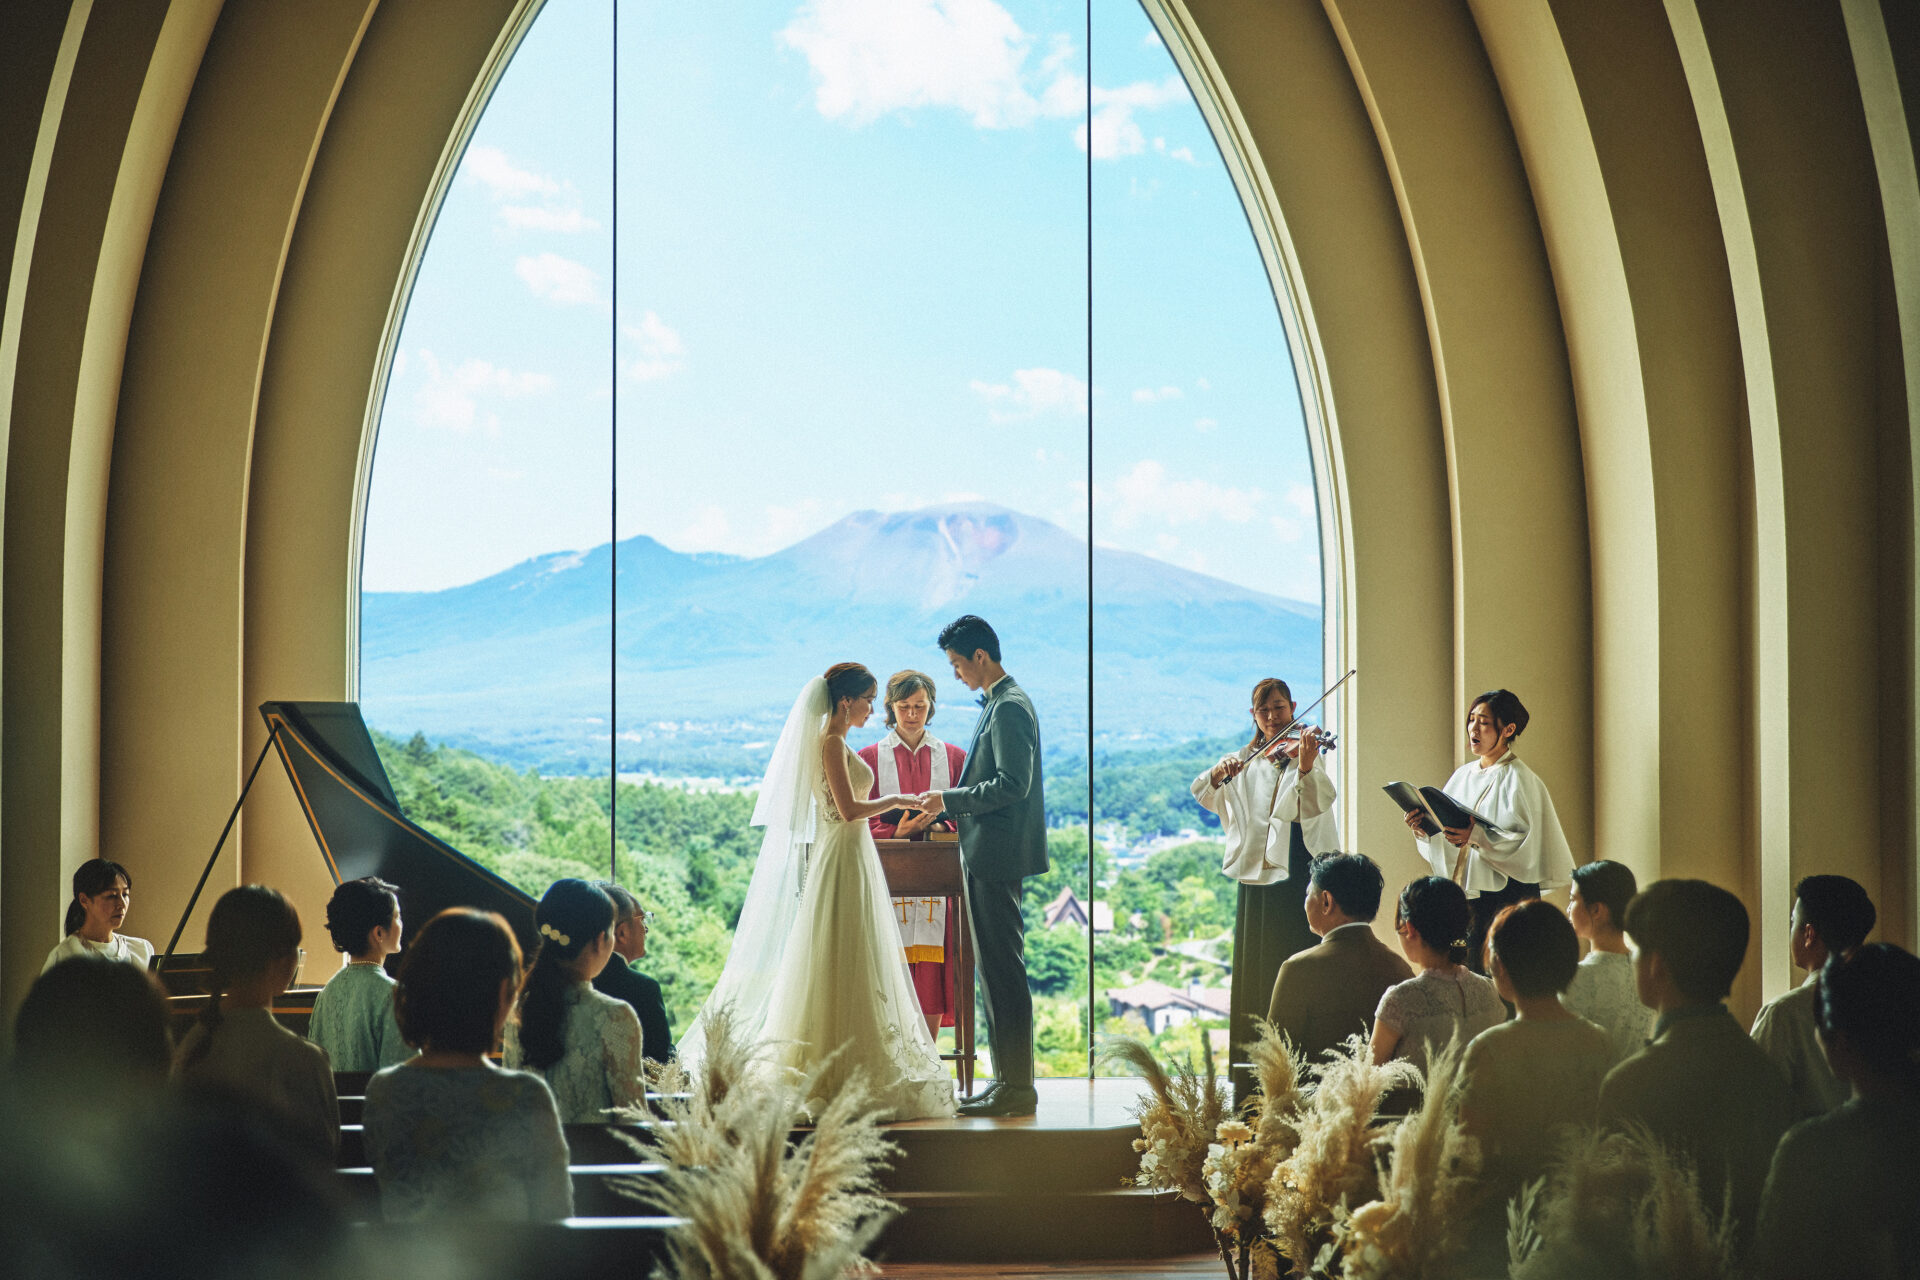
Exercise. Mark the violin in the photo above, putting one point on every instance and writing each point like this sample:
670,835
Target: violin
1292,732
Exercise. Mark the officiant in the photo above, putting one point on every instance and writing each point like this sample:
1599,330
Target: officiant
908,761
1525,851
1276,816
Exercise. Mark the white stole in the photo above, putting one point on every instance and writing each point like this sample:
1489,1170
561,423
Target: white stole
887,774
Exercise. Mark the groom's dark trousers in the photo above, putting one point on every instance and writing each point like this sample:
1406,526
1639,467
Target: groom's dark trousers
1001,811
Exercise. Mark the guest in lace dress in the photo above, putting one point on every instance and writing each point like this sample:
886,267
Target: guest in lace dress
1602,989
585,1045
253,952
1444,999
1840,1198
353,1018
102,896
450,1134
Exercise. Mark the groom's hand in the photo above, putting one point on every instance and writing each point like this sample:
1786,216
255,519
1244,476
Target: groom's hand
932,803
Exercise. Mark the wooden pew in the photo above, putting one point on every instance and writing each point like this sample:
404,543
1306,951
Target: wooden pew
594,1193
586,1144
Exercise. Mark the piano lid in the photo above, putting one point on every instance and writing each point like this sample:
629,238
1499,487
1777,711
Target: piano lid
355,816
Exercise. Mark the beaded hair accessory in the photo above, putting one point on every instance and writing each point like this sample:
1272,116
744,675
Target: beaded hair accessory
548,931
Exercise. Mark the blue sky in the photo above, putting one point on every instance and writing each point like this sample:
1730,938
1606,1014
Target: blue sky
853,273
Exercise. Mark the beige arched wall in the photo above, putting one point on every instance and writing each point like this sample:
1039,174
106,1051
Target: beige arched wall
1605,312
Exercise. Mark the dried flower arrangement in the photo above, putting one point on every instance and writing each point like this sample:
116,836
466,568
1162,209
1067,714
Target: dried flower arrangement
1619,1206
758,1205
1417,1229
1333,1162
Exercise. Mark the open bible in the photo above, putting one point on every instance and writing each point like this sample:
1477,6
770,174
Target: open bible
1437,809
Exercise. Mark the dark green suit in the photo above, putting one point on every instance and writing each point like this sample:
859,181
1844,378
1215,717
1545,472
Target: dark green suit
1001,812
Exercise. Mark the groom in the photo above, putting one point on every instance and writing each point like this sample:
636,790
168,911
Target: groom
1003,839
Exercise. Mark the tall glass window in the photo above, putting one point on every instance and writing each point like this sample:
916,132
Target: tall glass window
861,386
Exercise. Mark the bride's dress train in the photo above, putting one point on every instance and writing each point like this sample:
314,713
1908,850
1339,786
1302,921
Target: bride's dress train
816,963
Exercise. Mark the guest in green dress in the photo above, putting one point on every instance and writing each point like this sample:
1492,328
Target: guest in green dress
353,1018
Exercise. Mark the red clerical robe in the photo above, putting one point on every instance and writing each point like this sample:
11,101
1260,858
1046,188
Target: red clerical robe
927,925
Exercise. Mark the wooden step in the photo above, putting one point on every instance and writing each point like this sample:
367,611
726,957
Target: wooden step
986,1226
584,1248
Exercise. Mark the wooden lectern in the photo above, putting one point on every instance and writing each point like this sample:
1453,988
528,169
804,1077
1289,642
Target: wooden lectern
932,869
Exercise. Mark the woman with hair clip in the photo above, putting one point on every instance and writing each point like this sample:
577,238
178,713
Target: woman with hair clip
585,1045
1444,998
253,954
1276,817
102,895
816,968
1524,850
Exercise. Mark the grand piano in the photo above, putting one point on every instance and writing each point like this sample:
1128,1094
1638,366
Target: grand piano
361,831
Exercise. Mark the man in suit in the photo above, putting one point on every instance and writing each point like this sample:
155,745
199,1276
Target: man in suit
1329,992
1003,839
623,982
1701,1086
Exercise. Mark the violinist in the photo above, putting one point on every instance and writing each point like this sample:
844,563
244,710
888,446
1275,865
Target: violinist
1275,803
1527,852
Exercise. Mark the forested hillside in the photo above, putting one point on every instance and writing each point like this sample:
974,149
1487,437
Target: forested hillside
689,856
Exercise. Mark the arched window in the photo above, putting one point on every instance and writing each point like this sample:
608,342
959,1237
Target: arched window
906,323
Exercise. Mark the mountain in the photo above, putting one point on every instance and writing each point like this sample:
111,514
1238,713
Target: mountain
712,648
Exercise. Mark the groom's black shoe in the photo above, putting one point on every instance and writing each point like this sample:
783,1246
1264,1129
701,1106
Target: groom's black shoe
1003,1100
975,1099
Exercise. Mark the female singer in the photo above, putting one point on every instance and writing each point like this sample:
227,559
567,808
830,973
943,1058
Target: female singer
912,761
1527,853
1276,816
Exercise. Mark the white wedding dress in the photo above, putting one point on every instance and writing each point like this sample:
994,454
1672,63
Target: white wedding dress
816,963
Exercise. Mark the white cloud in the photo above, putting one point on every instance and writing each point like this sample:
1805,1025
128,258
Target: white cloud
787,525
1204,424
1203,384
1299,519
874,57
661,350
538,202
491,167
558,279
1033,392
1148,493
1148,395
453,399
526,217
1152,41
1115,132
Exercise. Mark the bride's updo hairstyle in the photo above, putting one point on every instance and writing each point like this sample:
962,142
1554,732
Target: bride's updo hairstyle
570,916
847,680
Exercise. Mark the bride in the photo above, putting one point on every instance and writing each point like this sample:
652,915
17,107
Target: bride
816,963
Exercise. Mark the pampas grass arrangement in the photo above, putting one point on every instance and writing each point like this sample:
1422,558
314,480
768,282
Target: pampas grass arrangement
1332,1163
1178,1121
1618,1206
1417,1228
758,1205
1239,1165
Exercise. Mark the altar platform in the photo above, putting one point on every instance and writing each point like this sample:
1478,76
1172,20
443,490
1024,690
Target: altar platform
1054,1185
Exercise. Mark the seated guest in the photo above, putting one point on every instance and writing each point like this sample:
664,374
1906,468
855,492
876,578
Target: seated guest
1841,1196
252,954
91,1038
1832,915
450,1134
1327,993
1700,1086
1525,1081
1445,999
353,1017
585,1045
1602,989
623,982
102,893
